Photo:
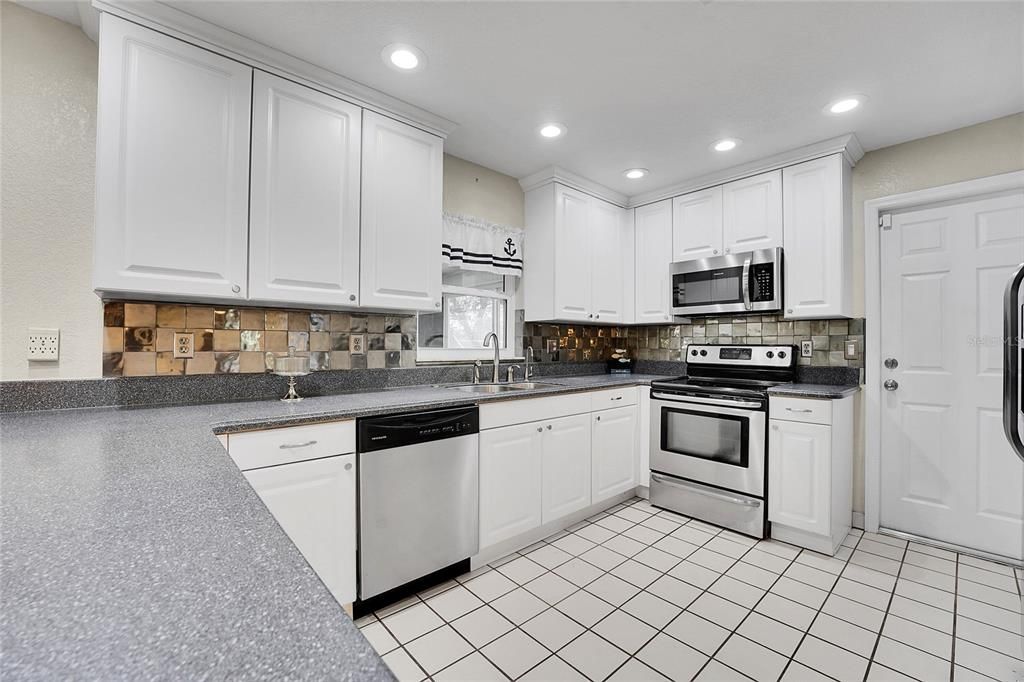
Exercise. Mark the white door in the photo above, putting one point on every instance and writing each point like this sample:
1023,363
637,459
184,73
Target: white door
947,471
613,453
697,225
752,213
566,466
572,254
172,166
817,242
510,481
315,503
304,216
799,475
652,225
400,236
608,248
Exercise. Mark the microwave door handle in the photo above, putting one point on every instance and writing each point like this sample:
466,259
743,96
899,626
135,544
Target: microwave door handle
1011,361
705,401
746,284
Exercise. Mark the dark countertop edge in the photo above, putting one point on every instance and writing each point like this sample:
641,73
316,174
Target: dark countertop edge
820,391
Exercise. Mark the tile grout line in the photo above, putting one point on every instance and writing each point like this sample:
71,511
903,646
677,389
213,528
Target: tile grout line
956,593
885,615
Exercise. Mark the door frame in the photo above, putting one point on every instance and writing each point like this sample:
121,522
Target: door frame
873,208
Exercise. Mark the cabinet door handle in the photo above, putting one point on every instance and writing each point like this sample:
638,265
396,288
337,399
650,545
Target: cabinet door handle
348,467
540,429
292,446
790,409
598,417
549,427
617,398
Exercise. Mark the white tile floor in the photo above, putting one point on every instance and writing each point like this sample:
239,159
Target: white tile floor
642,594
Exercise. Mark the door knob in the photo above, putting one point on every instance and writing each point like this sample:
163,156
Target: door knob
891,385
891,363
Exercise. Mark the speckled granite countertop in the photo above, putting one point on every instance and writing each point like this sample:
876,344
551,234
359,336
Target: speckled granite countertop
134,548
824,391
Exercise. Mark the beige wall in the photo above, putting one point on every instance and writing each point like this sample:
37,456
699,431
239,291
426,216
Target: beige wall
473,190
48,95
977,151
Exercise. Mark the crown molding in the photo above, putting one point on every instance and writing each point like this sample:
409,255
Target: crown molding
178,24
577,182
848,145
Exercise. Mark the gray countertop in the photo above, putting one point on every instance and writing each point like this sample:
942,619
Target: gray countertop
823,391
134,548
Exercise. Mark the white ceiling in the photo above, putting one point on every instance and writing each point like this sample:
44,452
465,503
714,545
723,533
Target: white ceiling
653,84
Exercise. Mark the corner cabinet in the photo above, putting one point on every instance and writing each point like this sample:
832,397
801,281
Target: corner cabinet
810,471
817,227
304,207
172,166
580,257
652,235
400,245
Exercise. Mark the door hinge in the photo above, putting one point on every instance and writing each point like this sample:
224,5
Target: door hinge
885,221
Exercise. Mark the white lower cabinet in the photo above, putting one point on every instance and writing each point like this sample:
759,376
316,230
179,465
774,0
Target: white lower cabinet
315,503
565,466
613,468
810,471
510,481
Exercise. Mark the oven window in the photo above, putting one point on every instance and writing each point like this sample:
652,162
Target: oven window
719,438
722,285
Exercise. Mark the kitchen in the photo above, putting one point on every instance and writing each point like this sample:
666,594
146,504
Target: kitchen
564,403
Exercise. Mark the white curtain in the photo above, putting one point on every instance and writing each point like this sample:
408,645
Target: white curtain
473,244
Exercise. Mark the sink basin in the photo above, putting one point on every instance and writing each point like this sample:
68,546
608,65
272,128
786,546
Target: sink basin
500,388
526,385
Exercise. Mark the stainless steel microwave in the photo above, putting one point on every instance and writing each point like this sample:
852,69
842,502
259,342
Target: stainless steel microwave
744,282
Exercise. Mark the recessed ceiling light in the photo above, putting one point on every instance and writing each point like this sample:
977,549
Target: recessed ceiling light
635,173
725,145
844,104
552,130
403,57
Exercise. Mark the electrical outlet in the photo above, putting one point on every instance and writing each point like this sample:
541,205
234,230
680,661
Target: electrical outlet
357,344
806,349
44,344
184,344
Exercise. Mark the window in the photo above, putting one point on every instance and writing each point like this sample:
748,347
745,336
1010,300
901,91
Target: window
473,304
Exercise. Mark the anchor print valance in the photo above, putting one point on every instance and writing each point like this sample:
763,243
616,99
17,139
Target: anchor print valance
473,244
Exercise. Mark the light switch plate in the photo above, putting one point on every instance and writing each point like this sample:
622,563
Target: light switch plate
44,345
851,349
806,349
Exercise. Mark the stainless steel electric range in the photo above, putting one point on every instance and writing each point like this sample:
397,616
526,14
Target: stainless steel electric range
709,434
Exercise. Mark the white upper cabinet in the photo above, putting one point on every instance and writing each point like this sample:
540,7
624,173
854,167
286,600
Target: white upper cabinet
697,225
652,225
819,238
579,266
304,218
752,213
400,239
172,166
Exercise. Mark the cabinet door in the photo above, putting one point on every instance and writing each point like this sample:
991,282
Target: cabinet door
799,477
614,452
304,215
315,503
752,213
653,238
608,249
566,466
817,239
510,481
172,166
697,225
400,238
572,255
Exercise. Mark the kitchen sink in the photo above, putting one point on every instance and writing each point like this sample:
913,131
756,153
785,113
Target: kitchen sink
500,388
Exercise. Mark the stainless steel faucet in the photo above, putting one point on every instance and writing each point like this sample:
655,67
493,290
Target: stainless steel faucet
487,344
529,359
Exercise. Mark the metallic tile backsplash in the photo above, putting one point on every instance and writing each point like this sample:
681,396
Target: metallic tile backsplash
575,343
138,339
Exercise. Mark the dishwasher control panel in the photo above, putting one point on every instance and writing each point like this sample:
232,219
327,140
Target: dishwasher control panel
379,433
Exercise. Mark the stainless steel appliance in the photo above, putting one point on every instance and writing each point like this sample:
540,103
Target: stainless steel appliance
418,496
736,283
709,434
1013,386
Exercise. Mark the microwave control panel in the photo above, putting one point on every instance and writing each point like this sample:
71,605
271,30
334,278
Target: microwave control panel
762,281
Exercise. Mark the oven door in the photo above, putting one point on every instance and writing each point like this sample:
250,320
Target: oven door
714,441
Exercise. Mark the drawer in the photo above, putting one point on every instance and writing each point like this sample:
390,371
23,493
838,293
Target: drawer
255,449
520,411
613,397
807,410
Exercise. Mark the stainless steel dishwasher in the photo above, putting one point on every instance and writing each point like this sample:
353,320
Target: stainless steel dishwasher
418,497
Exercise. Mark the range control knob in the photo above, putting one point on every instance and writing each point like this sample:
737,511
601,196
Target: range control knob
782,354
770,355
703,353
693,352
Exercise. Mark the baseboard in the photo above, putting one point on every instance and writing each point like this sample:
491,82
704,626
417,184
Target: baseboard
643,492
858,520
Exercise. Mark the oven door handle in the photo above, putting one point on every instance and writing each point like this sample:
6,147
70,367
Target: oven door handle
705,401
746,284
705,491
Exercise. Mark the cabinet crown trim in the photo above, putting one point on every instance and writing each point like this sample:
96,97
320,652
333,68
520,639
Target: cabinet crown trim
572,180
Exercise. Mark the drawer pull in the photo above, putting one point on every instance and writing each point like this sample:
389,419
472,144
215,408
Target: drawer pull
790,409
619,397
292,446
